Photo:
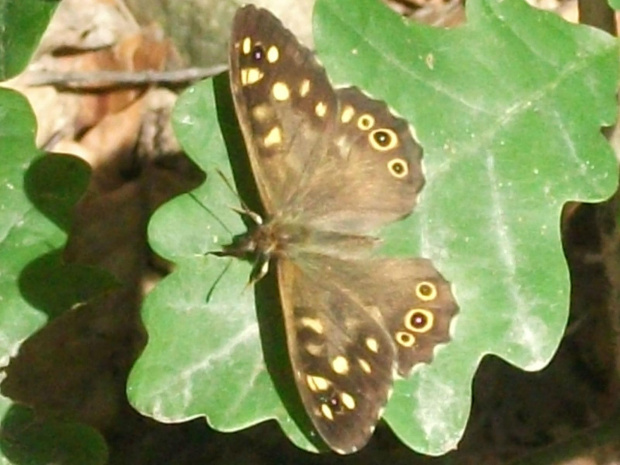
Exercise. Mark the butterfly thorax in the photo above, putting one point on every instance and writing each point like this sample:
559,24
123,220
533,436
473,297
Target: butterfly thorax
275,238
279,238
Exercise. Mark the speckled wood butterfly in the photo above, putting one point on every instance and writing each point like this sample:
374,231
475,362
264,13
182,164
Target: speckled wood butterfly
331,166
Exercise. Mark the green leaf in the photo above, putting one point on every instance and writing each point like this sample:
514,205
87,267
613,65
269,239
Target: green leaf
25,234
508,109
28,440
615,4
22,23
37,195
35,285
202,319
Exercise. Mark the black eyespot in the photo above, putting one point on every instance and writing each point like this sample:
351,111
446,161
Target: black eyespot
405,339
382,138
332,401
336,405
426,291
398,168
419,320
258,52
365,122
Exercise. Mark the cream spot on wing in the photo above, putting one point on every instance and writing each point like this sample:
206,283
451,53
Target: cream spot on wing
347,114
348,400
340,365
262,112
320,109
250,76
246,45
372,344
304,88
365,366
280,91
273,54
311,384
314,324
273,138
317,383
314,349
327,412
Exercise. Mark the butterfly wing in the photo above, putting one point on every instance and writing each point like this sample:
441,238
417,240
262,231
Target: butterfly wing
344,385
332,165
351,326
371,174
284,102
416,309
333,159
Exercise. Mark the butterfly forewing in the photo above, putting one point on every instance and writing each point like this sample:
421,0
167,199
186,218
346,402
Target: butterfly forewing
342,357
284,101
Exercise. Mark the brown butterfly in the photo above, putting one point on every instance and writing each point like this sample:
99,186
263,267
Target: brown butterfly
331,166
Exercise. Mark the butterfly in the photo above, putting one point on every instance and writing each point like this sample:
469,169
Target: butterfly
333,165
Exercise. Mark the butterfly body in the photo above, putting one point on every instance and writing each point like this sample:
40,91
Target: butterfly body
332,166
278,239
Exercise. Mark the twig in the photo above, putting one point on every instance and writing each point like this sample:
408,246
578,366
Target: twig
108,79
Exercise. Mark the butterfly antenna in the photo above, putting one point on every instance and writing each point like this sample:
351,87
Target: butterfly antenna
205,208
216,282
244,210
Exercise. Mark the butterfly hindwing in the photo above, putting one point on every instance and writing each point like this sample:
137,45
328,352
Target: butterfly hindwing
416,309
372,172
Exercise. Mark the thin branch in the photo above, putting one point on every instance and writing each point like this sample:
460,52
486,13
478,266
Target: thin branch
113,79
